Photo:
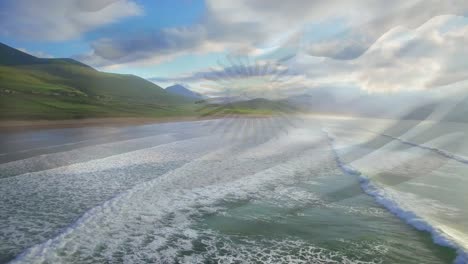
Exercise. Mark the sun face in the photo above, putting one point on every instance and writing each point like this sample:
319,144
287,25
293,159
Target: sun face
250,97
249,79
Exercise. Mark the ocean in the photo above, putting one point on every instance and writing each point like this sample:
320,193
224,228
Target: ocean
237,190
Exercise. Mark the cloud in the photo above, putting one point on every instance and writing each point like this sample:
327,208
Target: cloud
232,69
241,76
431,56
160,45
246,26
58,20
150,47
428,57
363,21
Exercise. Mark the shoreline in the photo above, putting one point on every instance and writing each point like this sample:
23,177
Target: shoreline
10,125
22,125
42,124
408,217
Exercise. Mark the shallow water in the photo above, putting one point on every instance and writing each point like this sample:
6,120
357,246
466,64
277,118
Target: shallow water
225,191
417,170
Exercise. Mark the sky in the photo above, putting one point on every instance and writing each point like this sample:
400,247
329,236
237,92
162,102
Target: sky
262,46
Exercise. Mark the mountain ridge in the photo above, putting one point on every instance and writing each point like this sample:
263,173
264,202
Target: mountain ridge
14,57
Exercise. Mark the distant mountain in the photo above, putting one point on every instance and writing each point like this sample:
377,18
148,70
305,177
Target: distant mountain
32,88
183,91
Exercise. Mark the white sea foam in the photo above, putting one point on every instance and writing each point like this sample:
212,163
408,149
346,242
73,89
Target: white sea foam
244,249
156,220
36,205
389,200
152,220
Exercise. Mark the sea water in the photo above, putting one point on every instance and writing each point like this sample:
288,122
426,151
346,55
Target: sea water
254,190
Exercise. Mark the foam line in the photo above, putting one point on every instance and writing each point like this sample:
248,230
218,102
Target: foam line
86,154
185,189
98,211
379,195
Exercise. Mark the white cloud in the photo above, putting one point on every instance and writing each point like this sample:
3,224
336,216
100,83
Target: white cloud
431,56
247,26
365,20
58,20
428,57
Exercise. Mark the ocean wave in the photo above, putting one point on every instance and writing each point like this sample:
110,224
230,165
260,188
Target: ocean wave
245,249
36,206
383,198
153,218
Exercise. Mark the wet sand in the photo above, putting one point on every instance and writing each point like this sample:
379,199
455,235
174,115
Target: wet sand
18,125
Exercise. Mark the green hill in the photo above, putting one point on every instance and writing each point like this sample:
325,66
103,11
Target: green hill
38,88
258,106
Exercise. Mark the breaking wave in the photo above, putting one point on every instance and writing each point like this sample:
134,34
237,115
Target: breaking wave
385,198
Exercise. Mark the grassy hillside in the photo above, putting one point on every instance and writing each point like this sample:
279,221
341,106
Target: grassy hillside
35,88
257,106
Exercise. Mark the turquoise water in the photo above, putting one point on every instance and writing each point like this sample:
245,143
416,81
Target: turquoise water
202,192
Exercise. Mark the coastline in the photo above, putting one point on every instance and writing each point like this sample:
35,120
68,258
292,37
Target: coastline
20,125
24,125
15,125
438,236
